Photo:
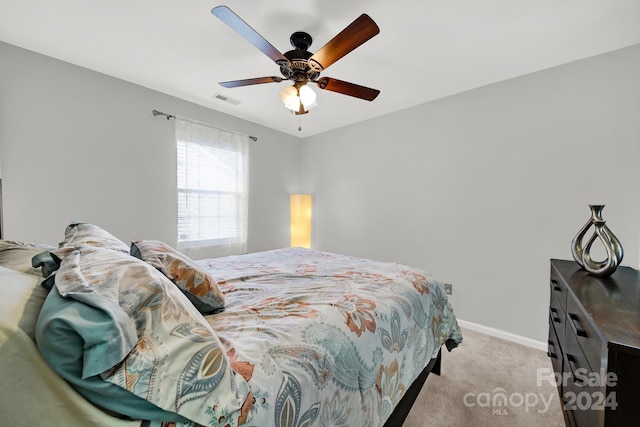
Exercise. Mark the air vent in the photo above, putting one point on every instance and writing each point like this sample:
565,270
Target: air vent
223,98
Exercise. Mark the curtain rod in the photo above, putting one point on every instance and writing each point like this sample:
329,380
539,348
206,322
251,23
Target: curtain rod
170,116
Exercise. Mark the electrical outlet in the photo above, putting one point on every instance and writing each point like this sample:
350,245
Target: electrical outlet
448,288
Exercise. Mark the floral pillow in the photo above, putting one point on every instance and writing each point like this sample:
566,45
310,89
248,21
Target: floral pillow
199,287
82,234
114,323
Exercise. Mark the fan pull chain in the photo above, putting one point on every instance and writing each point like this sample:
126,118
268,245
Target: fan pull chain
299,124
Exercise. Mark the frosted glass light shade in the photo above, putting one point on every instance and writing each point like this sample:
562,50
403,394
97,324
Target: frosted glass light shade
300,220
290,99
307,96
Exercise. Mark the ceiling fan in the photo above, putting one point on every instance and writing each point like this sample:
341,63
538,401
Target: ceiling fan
301,66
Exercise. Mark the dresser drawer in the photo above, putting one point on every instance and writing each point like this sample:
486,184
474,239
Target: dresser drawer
580,396
580,327
557,321
557,306
554,351
558,291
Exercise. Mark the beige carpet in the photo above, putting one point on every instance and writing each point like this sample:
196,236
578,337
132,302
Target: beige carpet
474,377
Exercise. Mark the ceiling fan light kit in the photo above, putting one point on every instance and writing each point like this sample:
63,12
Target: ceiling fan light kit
301,66
298,98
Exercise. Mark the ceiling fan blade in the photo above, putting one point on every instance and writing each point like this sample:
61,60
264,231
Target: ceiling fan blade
236,23
355,34
248,82
346,88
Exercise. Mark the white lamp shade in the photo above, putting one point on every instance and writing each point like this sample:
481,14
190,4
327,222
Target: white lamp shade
300,220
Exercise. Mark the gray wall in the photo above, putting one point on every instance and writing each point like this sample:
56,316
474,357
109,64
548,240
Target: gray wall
483,187
76,144
480,188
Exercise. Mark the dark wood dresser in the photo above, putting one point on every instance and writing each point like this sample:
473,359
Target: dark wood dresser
594,344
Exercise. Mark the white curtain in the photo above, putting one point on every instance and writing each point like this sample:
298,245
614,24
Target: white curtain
213,184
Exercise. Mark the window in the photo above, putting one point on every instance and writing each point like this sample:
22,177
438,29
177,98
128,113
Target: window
212,178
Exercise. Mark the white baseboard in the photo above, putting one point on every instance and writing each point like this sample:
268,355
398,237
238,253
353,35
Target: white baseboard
538,345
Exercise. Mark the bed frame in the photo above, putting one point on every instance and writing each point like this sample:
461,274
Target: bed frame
401,411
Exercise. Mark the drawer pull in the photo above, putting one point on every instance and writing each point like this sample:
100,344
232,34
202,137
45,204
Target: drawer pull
555,286
577,380
551,350
575,324
553,313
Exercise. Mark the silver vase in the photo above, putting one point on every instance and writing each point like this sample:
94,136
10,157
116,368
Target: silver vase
611,244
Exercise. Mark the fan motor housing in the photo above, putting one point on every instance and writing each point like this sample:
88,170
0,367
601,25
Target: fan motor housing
299,58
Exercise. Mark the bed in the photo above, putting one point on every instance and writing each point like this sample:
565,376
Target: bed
98,332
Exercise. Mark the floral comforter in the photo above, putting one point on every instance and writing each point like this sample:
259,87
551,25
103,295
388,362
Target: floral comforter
307,338
325,339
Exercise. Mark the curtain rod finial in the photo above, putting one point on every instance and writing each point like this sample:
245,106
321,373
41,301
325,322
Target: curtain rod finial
160,113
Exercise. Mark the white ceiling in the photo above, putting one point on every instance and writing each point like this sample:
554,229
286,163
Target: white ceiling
426,49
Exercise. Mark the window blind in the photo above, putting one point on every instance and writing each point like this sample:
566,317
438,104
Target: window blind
212,184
